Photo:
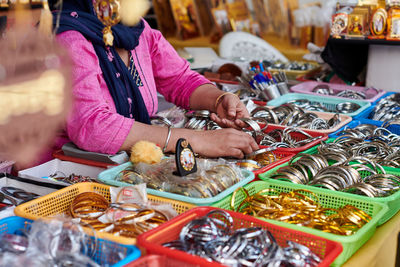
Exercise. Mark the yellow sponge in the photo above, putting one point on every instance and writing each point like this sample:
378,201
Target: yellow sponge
146,152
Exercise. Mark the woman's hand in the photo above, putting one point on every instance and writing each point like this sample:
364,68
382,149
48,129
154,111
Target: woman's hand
223,143
229,111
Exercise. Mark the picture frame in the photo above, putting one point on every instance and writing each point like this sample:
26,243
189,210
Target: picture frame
221,19
239,16
186,18
393,27
356,25
378,23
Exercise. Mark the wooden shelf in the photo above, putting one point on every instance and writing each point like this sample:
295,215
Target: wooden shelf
291,52
364,41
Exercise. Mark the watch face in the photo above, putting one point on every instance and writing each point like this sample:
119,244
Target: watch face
378,22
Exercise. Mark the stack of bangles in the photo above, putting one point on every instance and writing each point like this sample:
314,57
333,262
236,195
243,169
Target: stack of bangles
123,219
259,159
297,208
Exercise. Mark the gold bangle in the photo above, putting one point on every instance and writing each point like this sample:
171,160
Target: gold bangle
217,101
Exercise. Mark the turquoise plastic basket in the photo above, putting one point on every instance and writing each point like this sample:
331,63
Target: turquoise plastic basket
108,177
14,224
329,103
392,201
328,199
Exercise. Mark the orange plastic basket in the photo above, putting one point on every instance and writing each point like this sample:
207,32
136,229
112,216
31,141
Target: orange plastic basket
159,261
152,240
59,202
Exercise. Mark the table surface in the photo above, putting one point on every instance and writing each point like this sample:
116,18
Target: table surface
381,249
290,51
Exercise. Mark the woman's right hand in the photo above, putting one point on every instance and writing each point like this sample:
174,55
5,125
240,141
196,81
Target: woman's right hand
223,143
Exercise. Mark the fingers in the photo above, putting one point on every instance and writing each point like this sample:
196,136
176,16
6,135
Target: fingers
224,123
240,141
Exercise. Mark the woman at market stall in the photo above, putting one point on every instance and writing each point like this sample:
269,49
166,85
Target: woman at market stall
115,89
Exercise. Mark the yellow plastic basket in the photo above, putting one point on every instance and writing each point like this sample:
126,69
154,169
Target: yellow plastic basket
59,202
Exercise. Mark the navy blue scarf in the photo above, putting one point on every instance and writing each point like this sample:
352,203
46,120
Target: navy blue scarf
79,15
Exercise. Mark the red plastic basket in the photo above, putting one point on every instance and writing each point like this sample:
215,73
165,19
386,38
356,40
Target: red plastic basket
159,261
281,157
59,154
297,137
152,240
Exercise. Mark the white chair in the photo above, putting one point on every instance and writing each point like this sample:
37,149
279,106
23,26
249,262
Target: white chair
248,47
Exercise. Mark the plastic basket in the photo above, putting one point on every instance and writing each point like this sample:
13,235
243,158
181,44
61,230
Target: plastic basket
327,199
329,103
108,177
6,166
159,261
365,114
394,128
152,240
281,157
294,74
60,201
344,119
371,95
392,201
297,137
12,225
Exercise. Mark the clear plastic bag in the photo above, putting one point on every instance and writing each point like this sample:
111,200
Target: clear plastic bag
212,177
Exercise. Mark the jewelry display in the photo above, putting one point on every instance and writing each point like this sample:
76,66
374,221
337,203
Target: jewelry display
295,116
298,208
122,219
214,238
351,163
72,178
387,108
211,178
56,242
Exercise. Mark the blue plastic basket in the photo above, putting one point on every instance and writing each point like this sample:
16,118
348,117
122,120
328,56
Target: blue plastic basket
108,177
12,225
394,128
329,103
365,114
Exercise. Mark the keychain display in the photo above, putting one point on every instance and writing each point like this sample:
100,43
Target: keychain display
214,238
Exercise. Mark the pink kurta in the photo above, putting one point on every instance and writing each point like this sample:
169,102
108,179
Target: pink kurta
94,124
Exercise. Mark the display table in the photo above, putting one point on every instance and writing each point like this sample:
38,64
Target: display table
381,249
291,52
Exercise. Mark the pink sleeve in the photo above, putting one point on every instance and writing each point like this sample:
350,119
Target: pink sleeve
93,123
173,76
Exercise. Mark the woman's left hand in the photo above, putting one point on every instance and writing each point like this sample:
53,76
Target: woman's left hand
229,111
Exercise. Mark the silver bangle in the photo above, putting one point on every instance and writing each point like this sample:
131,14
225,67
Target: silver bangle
167,140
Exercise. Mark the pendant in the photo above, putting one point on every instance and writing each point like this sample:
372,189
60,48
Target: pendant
108,12
185,158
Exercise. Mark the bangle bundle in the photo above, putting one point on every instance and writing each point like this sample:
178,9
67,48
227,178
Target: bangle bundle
297,208
123,219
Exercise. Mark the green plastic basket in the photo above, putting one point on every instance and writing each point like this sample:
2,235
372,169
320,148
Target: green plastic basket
329,103
392,201
328,199
108,177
